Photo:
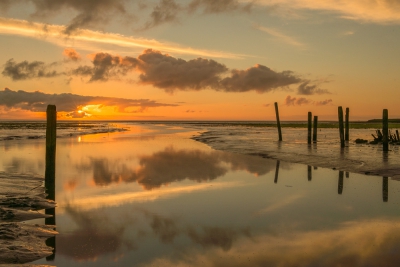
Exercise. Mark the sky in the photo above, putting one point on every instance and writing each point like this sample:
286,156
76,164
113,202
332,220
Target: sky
199,59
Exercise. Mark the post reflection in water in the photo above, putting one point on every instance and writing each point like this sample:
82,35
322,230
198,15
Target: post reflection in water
385,189
276,172
340,182
309,173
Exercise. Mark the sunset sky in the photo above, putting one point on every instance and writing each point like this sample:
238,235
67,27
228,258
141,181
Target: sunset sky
199,59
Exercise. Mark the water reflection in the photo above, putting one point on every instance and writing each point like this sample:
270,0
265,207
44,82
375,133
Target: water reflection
340,182
385,189
172,165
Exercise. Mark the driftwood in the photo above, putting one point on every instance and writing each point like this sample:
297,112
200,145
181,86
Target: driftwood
394,138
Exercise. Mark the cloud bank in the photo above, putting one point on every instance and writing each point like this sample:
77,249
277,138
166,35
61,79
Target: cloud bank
71,103
169,73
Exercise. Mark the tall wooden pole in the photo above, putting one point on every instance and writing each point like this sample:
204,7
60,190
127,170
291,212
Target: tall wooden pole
50,172
309,127
347,129
341,126
278,122
315,129
385,130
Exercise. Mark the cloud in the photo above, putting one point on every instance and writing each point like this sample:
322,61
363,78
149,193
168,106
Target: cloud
306,89
259,78
381,12
219,6
165,11
324,102
71,54
280,36
90,13
169,73
71,103
89,40
28,70
293,101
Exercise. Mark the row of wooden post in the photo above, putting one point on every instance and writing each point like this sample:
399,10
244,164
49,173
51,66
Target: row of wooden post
344,127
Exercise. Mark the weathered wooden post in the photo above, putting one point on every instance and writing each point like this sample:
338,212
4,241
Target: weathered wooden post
315,129
385,189
309,127
340,182
50,172
385,130
397,134
278,122
51,134
347,127
341,126
309,173
277,171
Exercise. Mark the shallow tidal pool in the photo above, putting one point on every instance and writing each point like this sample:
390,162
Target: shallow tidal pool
151,196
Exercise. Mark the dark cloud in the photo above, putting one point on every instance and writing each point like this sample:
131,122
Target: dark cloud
165,11
28,70
90,13
259,78
218,6
324,102
71,54
38,101
294,101
306,89
170,73
106,66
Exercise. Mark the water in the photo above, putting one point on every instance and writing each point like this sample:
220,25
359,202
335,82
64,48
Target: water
152,196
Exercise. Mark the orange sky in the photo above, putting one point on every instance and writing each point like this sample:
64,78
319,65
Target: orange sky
199,60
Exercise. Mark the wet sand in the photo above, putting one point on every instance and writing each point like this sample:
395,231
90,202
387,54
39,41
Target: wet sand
21,196
358,158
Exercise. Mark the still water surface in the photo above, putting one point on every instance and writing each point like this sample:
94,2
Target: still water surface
151,196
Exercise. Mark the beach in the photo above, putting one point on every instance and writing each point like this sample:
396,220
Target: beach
181,194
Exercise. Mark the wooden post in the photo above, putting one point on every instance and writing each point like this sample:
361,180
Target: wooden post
397,134
278,122
340,182
309,127
309,173
50,172
347,129
315,129
341,126
51,134
385,189
277,171
385,130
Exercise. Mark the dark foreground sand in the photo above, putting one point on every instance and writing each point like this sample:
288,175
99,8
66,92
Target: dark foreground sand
21,196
